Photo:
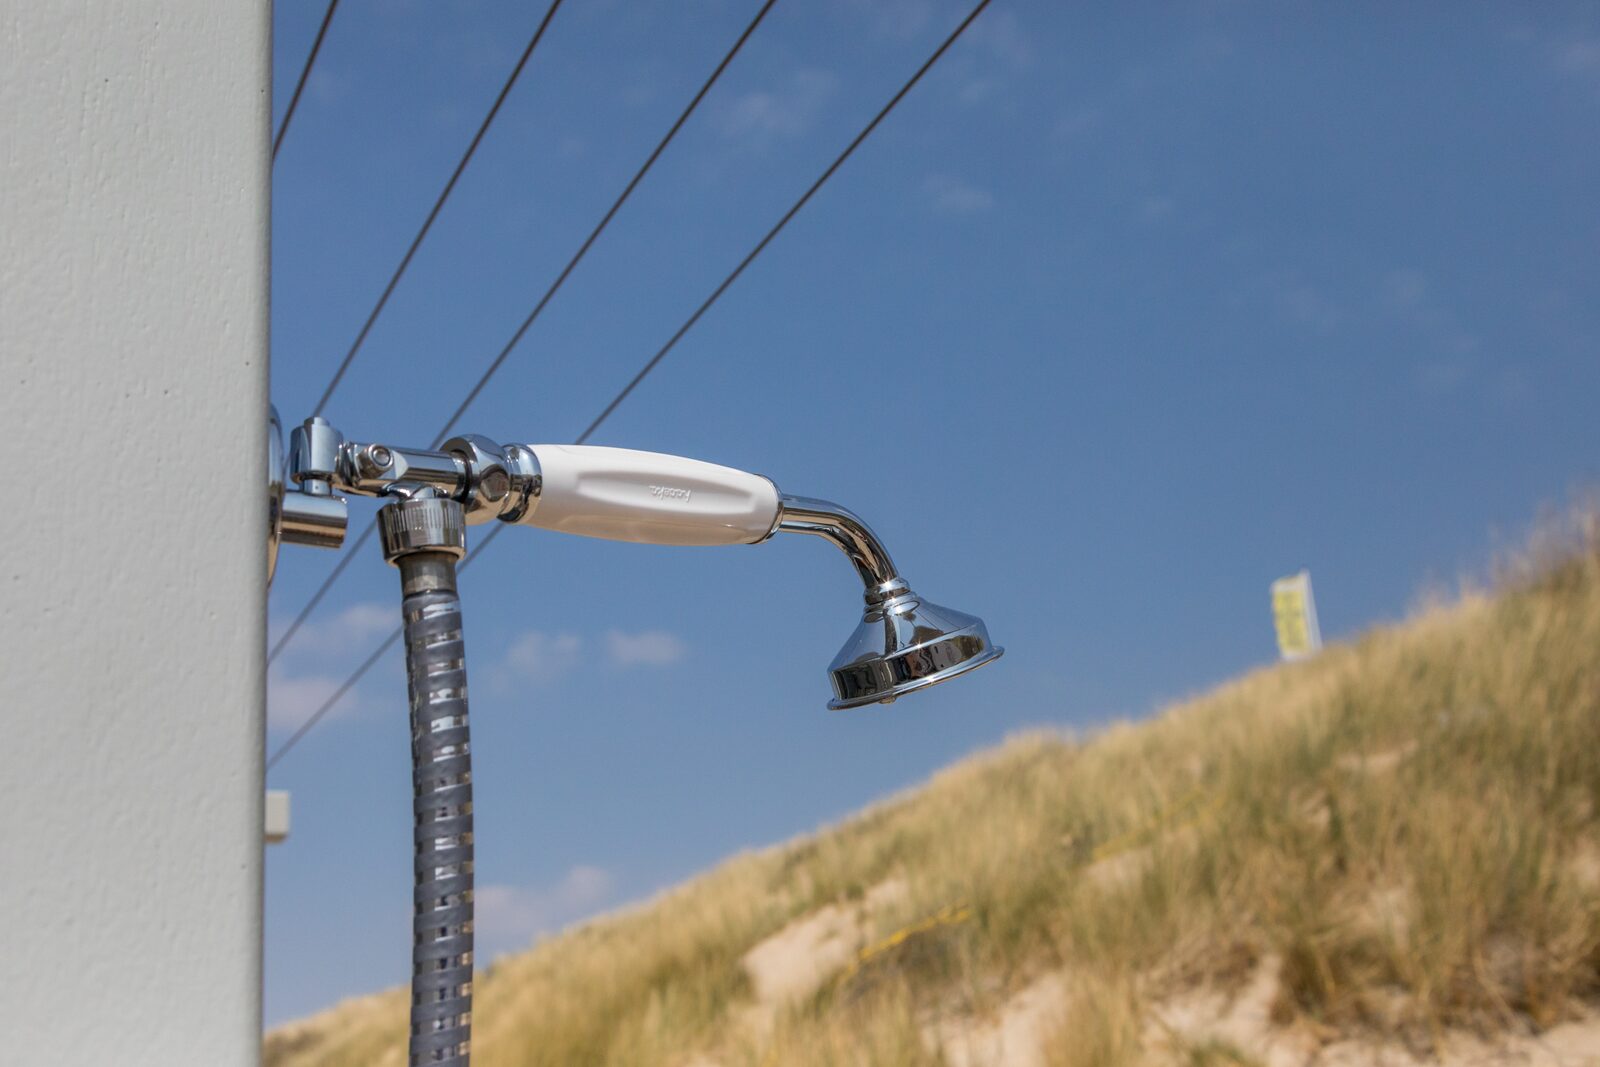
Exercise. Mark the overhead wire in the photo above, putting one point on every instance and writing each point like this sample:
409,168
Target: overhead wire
383,299
305,72
716,294
661,353
605,220
538,308
438,204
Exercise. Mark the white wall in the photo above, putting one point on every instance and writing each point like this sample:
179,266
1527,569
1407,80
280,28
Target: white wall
133,370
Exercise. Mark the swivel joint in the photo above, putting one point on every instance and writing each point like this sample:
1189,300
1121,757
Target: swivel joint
479,478
501,483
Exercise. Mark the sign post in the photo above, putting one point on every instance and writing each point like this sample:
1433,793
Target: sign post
1294,616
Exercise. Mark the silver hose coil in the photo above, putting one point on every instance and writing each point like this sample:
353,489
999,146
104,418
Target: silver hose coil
441,953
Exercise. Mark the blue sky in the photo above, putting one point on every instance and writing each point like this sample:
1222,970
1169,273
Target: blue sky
1128,310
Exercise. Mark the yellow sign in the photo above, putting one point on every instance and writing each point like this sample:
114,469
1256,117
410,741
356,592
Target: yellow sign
1294,615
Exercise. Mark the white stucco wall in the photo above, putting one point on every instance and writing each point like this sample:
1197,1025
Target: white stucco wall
133,370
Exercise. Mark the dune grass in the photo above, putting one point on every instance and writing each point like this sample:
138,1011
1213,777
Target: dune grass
1408,822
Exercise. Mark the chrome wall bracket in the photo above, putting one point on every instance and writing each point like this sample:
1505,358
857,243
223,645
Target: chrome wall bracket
298,516
485,480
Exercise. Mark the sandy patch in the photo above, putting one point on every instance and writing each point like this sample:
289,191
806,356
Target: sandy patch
1122,868
1376,762
1119,870
801,958
1014,1036
1586,865
1243,1021
794,963
1575,1044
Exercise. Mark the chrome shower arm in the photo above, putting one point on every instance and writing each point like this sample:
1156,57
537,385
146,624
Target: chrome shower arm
902,644
823,518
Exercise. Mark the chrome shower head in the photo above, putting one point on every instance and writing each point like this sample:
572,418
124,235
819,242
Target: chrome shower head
903,642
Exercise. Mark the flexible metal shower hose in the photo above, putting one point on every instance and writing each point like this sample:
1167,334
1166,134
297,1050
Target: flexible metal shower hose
441,953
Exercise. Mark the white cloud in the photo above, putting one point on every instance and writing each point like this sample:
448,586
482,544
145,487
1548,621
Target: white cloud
978,90
1409,295
650,648
1442,376
1580,58
292,699
761,116
369,619
326,86
1310,306
443,116
1156,208
1405,288
317,661
1079,122
540,657
900,19
1573,55
352,630
507,917
1293,299
1211,48
999,33
952,196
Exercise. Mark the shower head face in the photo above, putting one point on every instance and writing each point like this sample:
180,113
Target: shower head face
904,644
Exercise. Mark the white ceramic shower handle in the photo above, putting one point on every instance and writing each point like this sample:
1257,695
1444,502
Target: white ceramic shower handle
649,497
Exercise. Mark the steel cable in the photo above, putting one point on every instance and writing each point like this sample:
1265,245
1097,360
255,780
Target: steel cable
305,72
438,204
538,308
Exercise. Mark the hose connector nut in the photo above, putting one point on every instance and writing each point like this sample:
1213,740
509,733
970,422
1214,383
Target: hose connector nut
422,523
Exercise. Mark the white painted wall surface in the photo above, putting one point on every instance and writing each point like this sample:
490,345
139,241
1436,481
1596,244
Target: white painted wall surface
133,372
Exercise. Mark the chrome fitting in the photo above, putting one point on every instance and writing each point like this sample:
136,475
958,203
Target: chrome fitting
376,469
318,521
488,483
527,483
314,448
823,518
422,523
311,515
502,483
373,461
